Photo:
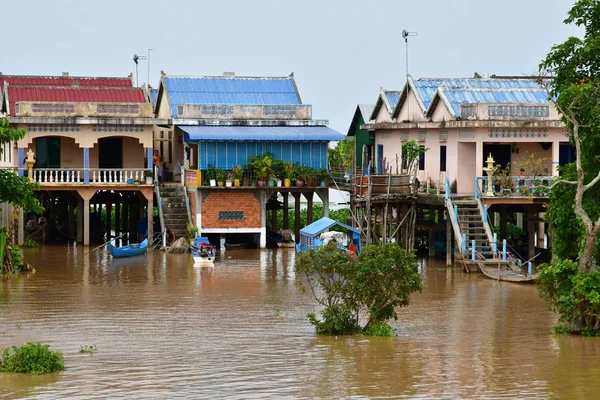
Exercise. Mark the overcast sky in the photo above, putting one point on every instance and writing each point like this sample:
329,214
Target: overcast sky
341,51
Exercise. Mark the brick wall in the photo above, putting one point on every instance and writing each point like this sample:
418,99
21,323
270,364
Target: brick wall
192,197
230,201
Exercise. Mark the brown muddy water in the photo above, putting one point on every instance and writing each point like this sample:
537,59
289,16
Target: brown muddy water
164,329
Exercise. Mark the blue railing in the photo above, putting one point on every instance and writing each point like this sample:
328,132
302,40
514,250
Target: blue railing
519,186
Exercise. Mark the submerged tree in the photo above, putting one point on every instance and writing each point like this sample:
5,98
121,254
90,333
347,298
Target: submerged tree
571,282
376,283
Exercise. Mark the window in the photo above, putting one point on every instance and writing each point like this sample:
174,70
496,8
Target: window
231,215
443,158
47,152
162,134
422,159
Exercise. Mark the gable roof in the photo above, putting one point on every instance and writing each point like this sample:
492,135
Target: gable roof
363,111
454,97
425,88
234,90
31,80
387,97
62,94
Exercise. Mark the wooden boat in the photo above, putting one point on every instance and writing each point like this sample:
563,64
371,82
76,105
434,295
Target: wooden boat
203,252
131,250
235,246
317,234
512,273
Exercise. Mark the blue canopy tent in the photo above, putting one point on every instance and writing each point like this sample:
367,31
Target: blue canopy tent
310,235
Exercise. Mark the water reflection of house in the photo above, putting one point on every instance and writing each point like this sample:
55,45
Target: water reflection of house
93,143
221,121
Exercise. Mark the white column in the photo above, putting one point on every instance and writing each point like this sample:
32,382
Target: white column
541,231
479,158
555,157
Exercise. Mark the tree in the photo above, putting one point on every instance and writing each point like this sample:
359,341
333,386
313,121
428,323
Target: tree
341,156
376,282
575,91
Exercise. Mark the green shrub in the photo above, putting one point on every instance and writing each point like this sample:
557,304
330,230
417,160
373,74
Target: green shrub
379,329
337,320
573,294
31,358
30,243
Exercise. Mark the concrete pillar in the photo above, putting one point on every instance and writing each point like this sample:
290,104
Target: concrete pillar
431,242
309,207
79,221
448,241
555,158
117,218
286,217
503,222
150,220
108,220
541,231
86,165
124,220
297,216
520,220
531,220
21,228
324,195
263,219
71,217
479,156
274,227
86,222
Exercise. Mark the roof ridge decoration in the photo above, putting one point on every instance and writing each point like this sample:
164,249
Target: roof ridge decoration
72,87
65,77
231,77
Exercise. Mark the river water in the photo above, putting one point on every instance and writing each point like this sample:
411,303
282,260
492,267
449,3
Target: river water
164,329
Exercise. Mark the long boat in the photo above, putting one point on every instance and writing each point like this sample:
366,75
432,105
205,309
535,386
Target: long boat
318,234
492,270
133,249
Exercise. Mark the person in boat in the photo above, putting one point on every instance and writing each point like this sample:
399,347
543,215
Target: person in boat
352,249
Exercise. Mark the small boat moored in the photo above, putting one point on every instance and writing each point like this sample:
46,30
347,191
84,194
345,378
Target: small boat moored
133,249
317,234
203,252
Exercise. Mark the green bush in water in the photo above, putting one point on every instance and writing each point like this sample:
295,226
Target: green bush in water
337,320
31,358
379,329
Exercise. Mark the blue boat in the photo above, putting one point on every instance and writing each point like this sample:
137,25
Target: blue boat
202,251
134,249
318,234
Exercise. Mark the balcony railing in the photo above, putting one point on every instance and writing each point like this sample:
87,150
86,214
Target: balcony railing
514,186
115,176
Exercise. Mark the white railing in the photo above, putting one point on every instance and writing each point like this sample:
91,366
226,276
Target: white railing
54,175
106,175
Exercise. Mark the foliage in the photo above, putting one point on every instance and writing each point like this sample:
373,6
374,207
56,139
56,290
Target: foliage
378,281
323,175
411,153
13,261
31,358
211,173
191,231
575,295
16,190
341,157
262,166
88,349
303,172
220,175
514,233
30,243
342,215
237,172
289,170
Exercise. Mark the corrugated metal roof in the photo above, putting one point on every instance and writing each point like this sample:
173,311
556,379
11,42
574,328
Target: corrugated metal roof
366,110
64,81
322,225
392,98
274,133
76,95
425,88
230,90
456,97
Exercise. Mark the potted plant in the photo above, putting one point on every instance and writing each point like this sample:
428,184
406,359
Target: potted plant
289,173
149,177
221,176
229,181
237,173
262,166
191,232
323,176
301,172
312,177
211,175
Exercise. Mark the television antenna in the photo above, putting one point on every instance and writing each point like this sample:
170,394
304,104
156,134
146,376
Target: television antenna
405,35
136,58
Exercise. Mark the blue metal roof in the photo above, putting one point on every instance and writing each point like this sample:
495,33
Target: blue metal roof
230,90
425,88
273,133
456,97
392,98
322,225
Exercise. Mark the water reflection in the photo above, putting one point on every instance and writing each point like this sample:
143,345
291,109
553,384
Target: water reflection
165,329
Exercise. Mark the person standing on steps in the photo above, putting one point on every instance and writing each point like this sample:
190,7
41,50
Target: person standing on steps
157,160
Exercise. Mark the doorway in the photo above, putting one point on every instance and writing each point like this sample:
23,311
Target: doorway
110,153
500,152
47,151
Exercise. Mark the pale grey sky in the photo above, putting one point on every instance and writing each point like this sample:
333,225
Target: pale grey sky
341,51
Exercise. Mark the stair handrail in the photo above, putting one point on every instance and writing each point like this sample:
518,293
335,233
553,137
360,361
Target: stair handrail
187,200
161,213
453,215
483,209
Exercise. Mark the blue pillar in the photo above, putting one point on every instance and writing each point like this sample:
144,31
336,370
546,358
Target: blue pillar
476,189
447,188
21,157
86,165
504,249
485,214
149,152
456,214
473,250
529,268
495,245
464,243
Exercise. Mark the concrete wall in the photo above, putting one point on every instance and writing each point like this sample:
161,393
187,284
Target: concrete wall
522,151
411,110
230,201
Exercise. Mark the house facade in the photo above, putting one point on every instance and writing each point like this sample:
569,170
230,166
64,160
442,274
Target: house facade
92,140
463,121
221,122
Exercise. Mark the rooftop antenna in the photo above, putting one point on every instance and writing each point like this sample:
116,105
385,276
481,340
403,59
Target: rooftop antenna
136,58
149,50
405,35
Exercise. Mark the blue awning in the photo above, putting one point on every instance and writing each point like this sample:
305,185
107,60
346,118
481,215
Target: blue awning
322,225
273,133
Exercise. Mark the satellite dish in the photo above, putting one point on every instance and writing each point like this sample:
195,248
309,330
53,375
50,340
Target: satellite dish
135,58
404,35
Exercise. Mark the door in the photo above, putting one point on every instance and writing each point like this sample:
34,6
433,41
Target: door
380,158
47,152
110,153
500,152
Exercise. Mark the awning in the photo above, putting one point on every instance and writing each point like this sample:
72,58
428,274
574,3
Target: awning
272,133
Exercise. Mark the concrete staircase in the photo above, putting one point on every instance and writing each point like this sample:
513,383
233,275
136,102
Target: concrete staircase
174,208
471,225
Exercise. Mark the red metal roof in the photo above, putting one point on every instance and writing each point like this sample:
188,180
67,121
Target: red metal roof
64,81
73,95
